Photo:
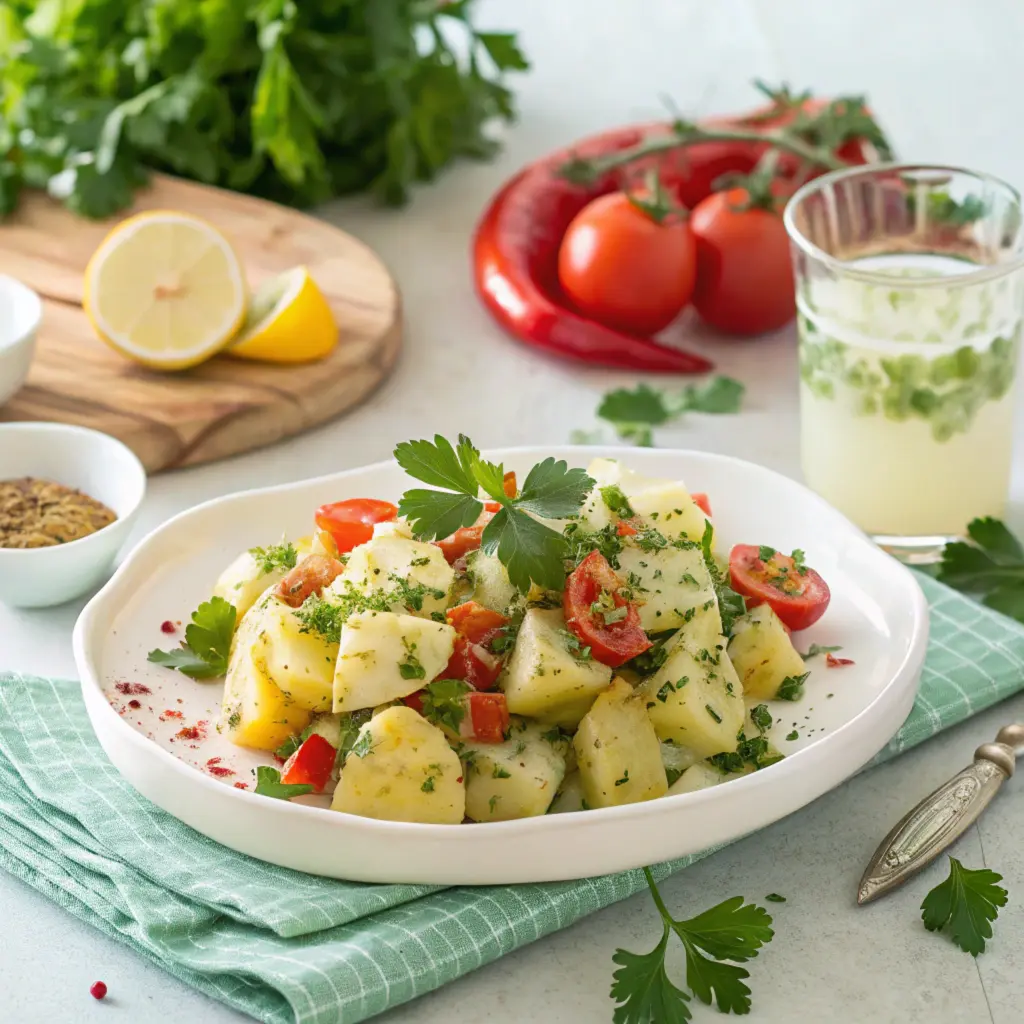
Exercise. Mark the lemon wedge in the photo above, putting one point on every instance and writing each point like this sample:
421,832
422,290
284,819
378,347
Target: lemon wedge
289,321
165,289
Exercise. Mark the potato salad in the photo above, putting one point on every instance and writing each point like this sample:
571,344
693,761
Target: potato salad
488,650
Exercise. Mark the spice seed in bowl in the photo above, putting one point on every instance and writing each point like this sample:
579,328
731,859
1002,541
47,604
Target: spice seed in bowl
40,513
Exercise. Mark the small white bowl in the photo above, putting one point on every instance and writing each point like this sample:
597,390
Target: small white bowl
91,462
20,313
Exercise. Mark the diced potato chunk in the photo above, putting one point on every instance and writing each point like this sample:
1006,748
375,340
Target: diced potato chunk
401,768
514,779
385,562
243,581
491,586
300,664
695,699
763,653
543,679
704,629
617,750
670,586
569,796
254,712
384,656
698,776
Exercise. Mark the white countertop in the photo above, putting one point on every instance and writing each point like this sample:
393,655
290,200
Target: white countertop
943,77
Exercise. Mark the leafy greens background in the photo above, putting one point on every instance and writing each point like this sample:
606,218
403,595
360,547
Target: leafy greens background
295,100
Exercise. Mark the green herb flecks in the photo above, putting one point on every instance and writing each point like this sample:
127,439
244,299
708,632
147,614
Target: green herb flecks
443,704
792,687
278,556
268,783
203,653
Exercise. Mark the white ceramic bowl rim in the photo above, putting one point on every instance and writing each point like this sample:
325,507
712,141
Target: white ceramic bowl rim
278,813
26,309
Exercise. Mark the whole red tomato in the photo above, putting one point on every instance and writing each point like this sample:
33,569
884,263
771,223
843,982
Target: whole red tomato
744,274
623,268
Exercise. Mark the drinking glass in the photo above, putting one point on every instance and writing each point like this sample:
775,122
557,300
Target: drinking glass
910,296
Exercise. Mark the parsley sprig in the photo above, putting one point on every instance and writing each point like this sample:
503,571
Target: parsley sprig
268,783
530,551
990,566
968,901
203,654
634,413
731,931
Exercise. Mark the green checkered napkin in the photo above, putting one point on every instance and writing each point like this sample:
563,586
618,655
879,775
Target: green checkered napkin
286,947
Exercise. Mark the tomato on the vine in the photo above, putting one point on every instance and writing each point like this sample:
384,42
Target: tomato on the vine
744,275
622,267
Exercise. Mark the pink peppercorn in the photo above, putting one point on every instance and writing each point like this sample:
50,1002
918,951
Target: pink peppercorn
98,990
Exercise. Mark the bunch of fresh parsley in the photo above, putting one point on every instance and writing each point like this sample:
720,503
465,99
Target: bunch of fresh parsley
294,101
531,551
989,566
634,413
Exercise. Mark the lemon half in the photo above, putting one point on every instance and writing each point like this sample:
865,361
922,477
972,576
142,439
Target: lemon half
165,289
289,321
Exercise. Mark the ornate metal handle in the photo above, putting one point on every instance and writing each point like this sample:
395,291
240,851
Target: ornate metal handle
942,817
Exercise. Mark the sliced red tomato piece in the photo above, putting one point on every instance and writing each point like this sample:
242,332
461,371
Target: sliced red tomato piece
599,615
475,622
797,594
486,718
625,529
310,576
509,484
311,764
702,502
467,538
351,522
473,664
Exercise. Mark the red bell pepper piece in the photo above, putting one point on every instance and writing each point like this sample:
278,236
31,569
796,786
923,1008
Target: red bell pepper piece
311,764
474,664
486,718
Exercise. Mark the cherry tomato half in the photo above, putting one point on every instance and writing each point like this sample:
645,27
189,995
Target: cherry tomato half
591,585
475,622
351,522
473,664
624,269
467,538
798,596
744,275
310,576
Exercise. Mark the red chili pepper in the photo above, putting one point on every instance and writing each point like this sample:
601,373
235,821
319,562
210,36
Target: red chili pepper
311,764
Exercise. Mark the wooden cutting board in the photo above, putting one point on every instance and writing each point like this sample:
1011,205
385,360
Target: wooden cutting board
224,406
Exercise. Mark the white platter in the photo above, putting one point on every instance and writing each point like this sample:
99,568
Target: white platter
878,614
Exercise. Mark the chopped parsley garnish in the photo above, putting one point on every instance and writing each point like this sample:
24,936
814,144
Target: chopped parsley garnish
815,649
616,501
672,774
792,687
500,773
554,735
666,689
417,562
624,779
412,594
653,658
351,723
505,639
363,745
766,554
794,735
713,713
799,561
730,604
714,942
761,717
968,901
268,783
774,897
204,652
530,551
443,704
412,667
278,556
428,784
574,645
581,542
493,802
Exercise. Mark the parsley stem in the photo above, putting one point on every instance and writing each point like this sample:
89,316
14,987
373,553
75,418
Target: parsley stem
658,901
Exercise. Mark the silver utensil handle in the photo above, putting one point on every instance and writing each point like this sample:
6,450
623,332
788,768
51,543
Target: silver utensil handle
941,818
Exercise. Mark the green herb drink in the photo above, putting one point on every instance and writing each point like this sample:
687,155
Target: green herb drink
910,300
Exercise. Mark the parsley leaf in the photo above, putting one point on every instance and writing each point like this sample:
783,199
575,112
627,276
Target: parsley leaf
990,567
203,653
730,604
792,687
968,901
815,649
633,413
531,552
730,931
443,704
278,556
268,783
